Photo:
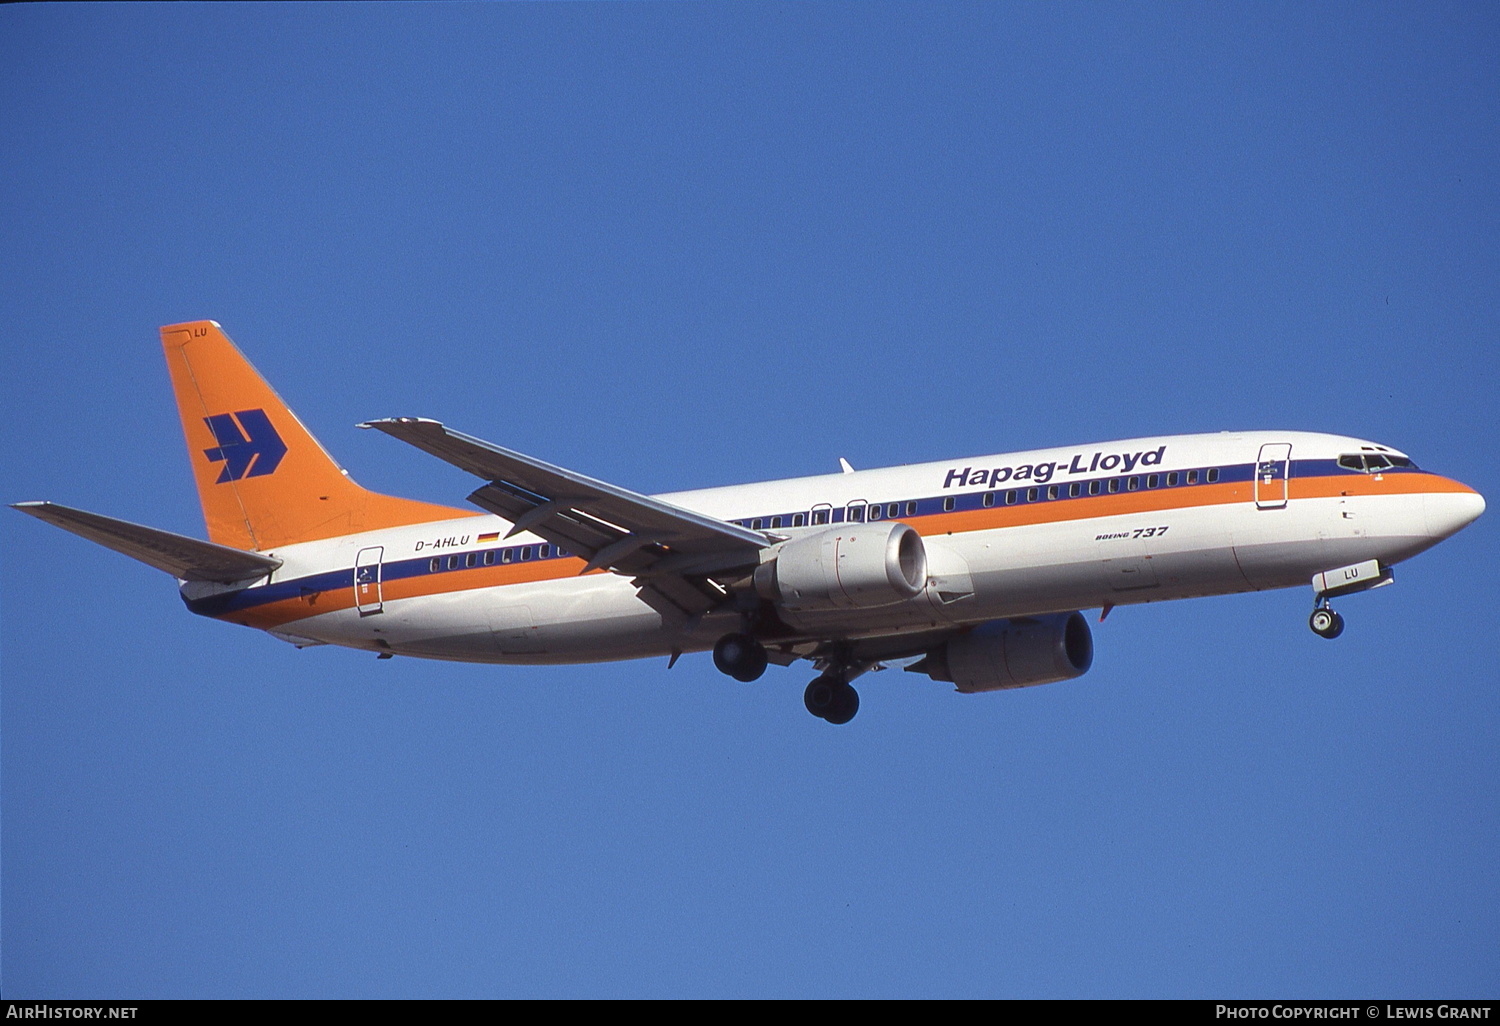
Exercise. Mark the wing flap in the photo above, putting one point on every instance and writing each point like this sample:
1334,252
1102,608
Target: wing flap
677,598
610,526
183,557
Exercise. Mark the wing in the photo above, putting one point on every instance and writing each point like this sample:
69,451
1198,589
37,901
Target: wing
183,557
671,552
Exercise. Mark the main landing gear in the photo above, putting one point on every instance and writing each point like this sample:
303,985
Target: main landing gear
1325,623
740,656
831,698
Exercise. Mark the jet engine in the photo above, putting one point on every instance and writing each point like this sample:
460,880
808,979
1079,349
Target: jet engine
852,566
1013,653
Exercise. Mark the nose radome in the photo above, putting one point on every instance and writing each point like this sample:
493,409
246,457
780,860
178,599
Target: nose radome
1450,512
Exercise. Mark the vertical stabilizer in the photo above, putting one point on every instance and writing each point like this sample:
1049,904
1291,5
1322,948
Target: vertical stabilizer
263,479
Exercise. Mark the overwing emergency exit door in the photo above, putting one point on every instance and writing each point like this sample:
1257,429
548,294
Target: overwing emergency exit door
367,597
1272,469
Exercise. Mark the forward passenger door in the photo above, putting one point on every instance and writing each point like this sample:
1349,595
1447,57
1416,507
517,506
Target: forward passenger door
1273,468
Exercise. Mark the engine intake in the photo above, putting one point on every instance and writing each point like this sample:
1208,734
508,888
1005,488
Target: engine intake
1013,653
853,566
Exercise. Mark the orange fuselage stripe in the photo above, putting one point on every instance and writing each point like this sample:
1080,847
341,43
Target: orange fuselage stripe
281,612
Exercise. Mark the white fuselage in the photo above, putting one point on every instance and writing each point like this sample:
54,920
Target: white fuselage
1007,535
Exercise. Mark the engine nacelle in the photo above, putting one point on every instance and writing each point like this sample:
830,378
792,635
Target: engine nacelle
852,566
1014,653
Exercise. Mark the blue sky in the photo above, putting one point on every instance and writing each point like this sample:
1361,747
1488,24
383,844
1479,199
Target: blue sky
679,245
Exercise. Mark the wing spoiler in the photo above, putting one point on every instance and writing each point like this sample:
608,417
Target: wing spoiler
183,557
610,526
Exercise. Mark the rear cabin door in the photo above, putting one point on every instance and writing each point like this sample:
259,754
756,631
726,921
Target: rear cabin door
367,596
1272,469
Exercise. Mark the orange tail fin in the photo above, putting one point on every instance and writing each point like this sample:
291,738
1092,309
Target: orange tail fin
263,479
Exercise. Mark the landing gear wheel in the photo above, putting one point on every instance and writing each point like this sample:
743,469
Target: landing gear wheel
740,656
1325,623
845,705
831,699
819,696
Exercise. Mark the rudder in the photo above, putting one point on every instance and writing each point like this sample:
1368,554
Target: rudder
263,479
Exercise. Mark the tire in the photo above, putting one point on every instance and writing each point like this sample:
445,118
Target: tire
821,696
1326,623
845,705
740,656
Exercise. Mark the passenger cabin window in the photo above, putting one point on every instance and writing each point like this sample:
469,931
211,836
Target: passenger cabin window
1031,494
798,519
489,557
508,555
893,510
1172,479
1133,484
543,551
989,499
820,516
948,504
855,515
1152,480
1073,490
1192,477
1010,498
775,522
875,511
435,566
911,509
1093,487
471,559
1114,485
1213,475
452,562
1051,491
525,553
755,524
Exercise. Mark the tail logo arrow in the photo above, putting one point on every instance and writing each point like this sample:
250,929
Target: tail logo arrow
248,445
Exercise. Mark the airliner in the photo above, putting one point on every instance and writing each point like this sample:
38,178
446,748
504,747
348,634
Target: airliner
973,571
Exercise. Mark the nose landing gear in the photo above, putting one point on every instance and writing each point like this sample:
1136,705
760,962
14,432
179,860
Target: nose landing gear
1346,580
1325,623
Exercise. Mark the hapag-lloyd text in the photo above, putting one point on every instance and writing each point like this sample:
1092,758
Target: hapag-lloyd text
1041,473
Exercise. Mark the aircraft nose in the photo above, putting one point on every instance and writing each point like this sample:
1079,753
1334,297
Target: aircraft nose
1450,512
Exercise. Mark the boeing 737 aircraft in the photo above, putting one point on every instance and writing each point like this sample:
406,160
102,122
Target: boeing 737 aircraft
976,569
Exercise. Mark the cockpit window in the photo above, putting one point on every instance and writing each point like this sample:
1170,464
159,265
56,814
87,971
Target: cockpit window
1371,463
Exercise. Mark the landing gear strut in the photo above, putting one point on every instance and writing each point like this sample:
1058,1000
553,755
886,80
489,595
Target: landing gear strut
1325,623
831,698
740,656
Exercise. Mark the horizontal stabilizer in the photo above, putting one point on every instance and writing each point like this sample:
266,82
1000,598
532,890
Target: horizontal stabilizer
181,556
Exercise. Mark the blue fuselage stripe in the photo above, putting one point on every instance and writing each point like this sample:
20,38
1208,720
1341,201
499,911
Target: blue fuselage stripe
931,506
